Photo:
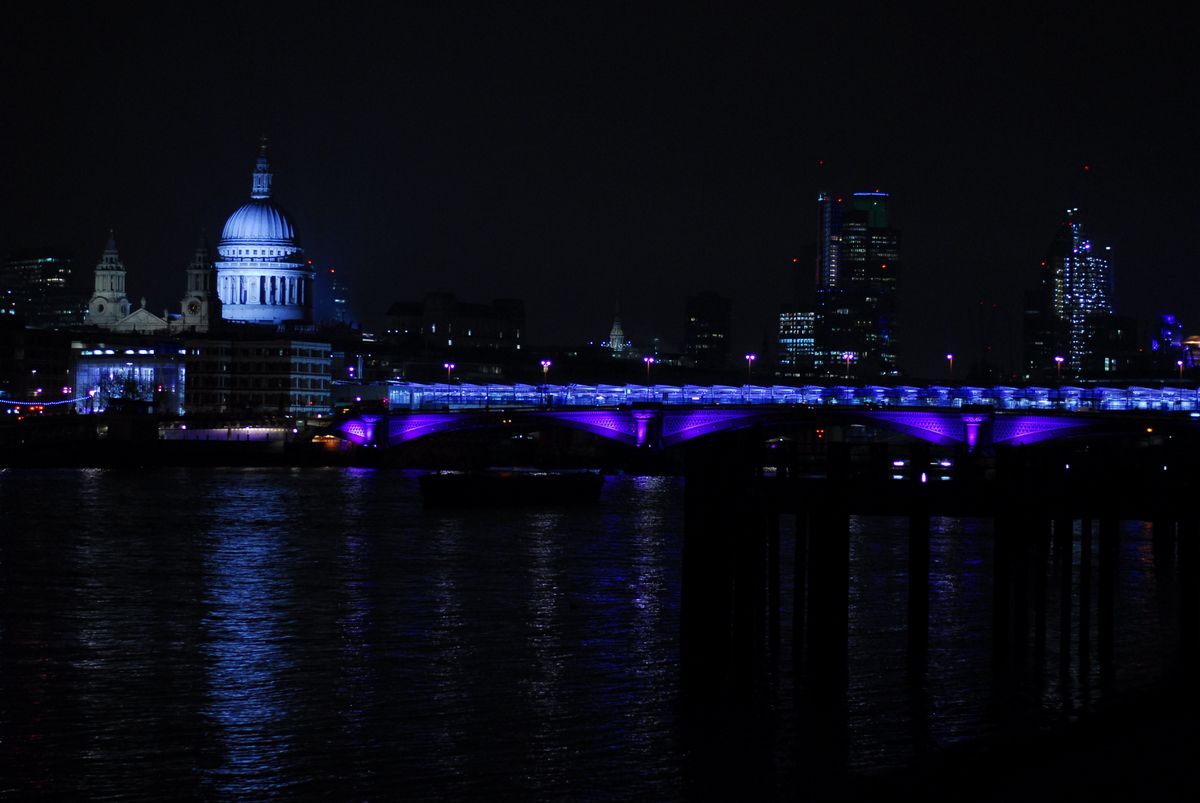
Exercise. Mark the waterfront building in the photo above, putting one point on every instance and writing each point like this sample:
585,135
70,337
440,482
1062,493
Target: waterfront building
262,276
706,331
244,373
128,374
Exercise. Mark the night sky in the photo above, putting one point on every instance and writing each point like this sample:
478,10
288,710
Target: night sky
568,155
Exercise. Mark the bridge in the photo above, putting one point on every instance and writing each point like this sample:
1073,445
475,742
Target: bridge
662,416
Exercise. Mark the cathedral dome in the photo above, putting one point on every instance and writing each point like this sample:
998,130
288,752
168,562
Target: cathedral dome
259,222
262,276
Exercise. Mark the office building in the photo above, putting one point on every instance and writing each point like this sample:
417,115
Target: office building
39,288
853,319
706,331
1069,313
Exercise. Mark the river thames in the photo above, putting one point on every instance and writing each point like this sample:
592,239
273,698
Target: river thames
258,634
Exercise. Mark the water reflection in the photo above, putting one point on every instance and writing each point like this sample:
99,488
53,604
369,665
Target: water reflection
249,702
261,634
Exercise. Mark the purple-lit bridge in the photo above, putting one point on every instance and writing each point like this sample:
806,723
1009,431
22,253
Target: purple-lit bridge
661,416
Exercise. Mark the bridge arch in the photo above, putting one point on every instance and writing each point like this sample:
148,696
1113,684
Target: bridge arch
665,427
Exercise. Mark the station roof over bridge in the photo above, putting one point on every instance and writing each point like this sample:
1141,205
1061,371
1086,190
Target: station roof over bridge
414,396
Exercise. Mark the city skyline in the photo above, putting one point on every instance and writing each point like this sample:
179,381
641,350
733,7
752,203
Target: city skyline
570,158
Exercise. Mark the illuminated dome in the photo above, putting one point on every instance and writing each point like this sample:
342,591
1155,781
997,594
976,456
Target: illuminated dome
262,276
259,222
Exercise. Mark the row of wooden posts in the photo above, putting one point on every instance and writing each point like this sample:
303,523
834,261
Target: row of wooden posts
1038,498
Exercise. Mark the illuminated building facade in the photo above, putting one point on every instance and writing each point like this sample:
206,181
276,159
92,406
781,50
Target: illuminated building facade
1069,314
706,332
797,342
251,376
262,276
858,264
128,375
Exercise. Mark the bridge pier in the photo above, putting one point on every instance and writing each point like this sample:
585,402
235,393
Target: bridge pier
829,593
1002,570
1085,595
800,586
1040,535
1064,559
773,578
707,582
918,558
1110,530
1189,590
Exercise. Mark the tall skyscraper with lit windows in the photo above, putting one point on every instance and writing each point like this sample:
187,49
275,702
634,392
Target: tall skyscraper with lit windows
858,263
850,325
1068,314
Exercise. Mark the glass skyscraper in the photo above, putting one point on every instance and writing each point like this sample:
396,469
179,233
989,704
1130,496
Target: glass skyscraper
1070,310
858,264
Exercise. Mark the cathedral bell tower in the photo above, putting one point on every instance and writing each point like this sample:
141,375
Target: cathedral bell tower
108,303
200,304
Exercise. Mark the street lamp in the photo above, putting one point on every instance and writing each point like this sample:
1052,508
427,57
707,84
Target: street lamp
1180,364
449,366
750,358
545,370
950,359
847,356
1058,361
649,361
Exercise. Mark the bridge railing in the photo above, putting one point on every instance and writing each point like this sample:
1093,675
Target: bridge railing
426,396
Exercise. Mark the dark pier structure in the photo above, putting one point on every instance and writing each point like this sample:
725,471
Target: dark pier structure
1055,507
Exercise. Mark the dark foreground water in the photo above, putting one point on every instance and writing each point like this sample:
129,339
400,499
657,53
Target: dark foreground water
315,633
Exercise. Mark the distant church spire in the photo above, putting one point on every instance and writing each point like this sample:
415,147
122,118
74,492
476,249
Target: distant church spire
616,336
260,188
